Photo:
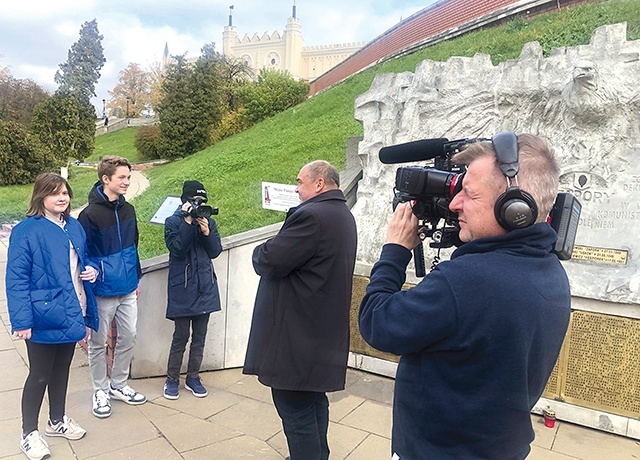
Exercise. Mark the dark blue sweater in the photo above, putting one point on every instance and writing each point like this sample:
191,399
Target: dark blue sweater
478,339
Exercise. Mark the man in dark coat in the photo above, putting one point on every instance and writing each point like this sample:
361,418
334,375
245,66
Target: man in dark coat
299,340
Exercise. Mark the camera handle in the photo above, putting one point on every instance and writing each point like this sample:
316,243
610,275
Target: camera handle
418,260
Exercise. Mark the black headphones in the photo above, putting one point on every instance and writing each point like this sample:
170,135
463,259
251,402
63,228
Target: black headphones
515,208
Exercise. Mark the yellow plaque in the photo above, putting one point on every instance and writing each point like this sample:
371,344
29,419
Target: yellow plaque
604,255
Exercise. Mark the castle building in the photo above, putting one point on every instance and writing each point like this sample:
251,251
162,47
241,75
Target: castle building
286,51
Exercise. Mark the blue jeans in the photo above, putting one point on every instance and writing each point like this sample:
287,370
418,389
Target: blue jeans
179,343
305,419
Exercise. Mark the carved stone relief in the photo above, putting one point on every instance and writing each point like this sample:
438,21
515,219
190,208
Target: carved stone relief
584,99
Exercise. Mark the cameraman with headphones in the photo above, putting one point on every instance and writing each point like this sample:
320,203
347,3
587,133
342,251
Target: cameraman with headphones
480,334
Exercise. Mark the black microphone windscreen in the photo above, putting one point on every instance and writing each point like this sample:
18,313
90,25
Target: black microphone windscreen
424,149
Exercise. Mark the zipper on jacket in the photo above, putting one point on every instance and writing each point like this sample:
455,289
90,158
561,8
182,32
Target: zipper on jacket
186,271
115,210
102,270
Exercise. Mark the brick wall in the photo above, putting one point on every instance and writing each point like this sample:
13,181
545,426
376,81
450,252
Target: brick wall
111,343
432,21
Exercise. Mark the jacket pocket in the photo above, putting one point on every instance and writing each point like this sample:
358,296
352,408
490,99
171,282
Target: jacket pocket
180,275
48,307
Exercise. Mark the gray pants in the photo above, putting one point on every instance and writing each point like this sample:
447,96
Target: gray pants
125,311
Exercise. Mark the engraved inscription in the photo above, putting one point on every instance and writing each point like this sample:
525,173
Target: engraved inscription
605,255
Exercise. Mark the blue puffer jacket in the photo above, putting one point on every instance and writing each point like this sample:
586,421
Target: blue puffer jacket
40,291
112,241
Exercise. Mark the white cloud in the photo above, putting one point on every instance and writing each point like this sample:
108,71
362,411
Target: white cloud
36,35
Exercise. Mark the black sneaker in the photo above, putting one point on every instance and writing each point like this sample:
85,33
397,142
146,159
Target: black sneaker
195,385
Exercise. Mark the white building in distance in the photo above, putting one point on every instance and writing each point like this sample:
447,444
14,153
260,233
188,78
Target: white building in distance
286,51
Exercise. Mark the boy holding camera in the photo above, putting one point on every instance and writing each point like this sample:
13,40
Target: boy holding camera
193,240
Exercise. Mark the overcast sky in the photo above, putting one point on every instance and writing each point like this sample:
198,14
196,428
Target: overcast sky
36,35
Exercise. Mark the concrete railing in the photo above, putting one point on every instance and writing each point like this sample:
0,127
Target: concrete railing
116,124
228,329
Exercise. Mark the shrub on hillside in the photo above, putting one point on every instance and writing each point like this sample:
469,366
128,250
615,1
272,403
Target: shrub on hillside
274,91
22,155
146,142
232,123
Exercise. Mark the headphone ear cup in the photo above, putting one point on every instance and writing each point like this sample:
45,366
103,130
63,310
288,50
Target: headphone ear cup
515,209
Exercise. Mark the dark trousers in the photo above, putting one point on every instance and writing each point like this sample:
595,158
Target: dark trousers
305,419
48,368
198,325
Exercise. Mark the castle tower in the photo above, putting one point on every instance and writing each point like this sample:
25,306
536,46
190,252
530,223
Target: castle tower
284,52
229,35
294,44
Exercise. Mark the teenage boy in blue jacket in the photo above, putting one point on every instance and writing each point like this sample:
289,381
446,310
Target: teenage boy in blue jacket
112,240
193,240
480,334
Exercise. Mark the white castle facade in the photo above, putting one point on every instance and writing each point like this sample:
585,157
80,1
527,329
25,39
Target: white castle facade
286,51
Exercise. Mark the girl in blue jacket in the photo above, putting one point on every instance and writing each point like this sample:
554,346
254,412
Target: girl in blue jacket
51,305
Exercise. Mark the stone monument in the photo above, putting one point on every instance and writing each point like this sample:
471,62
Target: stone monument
585,100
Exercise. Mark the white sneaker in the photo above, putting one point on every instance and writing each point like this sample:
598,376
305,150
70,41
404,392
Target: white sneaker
34,446
128,395
67,428
101,404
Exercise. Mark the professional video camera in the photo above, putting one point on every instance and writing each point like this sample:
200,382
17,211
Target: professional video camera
199,209
432,188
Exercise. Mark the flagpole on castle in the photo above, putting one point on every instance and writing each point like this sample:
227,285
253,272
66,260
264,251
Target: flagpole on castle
230,15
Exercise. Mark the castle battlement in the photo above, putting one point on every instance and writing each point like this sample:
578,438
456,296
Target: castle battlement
265,38
336,46
285,50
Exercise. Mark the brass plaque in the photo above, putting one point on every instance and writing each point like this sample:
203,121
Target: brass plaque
604,255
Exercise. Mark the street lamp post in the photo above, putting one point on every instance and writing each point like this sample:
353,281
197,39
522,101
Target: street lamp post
128,99
104,109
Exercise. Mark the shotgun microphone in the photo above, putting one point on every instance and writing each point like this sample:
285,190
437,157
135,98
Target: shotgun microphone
424,149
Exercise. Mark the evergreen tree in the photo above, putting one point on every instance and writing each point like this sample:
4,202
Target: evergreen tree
66,121
192,104
85,59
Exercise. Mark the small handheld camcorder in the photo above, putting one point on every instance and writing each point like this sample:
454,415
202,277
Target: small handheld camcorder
200,209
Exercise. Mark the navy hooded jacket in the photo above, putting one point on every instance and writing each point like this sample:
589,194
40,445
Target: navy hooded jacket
192,285
112,239
478,339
